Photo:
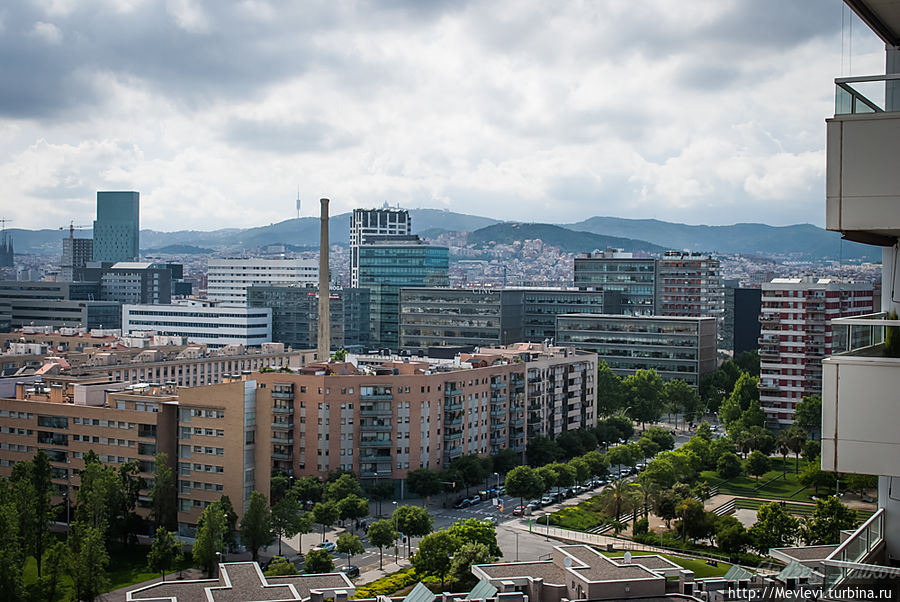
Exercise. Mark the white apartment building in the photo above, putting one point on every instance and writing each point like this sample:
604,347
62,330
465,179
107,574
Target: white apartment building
228,279
796,335
216,325
384,222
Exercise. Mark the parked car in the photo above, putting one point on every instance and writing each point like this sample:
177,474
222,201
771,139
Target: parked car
463,503
475,499
518,510
328,546
546,500
535,504
491,519
350,570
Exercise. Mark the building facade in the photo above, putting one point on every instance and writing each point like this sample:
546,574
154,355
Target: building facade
433,317
384,223
614,270
228,279
295,315
542,305
796,334
117,227
387,266
690,285
57,305
677,348
202,322
129,281
76,253
741,322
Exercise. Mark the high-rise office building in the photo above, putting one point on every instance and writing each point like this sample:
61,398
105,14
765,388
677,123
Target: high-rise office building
117,227
228,279
387,266
383,223
741,322
76,253
690,285
614,270
795,334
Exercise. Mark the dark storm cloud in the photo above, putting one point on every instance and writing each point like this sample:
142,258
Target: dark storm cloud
231,55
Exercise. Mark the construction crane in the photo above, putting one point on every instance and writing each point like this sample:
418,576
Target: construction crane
72,227
3,223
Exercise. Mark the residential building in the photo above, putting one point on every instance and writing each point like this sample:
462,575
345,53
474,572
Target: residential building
208,433
386,266
117,227
295,315
382,419
677,348
690,285
207,322
383,223
432,317
76,253
796,334
614,270
228,279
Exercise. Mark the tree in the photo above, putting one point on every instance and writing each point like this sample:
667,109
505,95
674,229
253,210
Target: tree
745,389
523,482
610,392
695,522
349,544
279,484
325,514
547,476
473,530
230,521
645,390
339,356
616,496
130,484
433,557
662,437
59,563
728,466
471,469
731,536
542,450
506,459
808,414
43,511
308,490
412,521
280,566
342,487
758,464
774,528
11,549
318,561
89,561
648,447
287,520
565,475
811,451
210,538
666,506
622,427
165,552
382,534
256,526
98,496
596,463
424,482
860,482
683,398
827,521
582,469
620,456
796,438
468,554
784,448
353,508
813,476
660,472
748,361
163,496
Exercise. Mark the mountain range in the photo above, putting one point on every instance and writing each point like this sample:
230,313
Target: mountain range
803,241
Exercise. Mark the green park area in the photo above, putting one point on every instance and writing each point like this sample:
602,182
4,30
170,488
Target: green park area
781,482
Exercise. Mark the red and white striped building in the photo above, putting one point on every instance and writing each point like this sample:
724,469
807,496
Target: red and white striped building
796,334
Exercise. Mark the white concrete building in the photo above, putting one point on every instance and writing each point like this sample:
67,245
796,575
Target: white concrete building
795,335
214,324
228,279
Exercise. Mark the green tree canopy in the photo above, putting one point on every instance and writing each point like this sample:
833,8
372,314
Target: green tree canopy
682,398
210,539
827,521
731,536
349,544
478,531
318,561
758,464
341,487
325,514
163,496
256,525
287,520
434,555
424,482
729,465
808,413
382,534
165,552
645,391
774,528
468,554
523,482
610,391
542,450
89,561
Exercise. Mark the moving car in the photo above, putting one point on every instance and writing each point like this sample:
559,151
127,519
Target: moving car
350,570
328,546
518,511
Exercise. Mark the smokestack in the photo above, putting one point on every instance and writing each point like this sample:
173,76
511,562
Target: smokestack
324,348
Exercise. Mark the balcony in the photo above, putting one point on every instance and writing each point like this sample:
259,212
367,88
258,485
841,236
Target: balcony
376,443
370,427
862,184
860,412
284,426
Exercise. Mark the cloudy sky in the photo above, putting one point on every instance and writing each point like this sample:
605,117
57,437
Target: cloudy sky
691,111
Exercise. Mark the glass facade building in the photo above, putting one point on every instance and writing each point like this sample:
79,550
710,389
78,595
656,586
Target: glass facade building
634,278
117,227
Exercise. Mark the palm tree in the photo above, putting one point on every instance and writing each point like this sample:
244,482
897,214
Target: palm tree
617,495
647,489
796,438
783,445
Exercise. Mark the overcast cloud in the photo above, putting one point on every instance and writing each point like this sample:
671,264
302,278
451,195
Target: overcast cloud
696,111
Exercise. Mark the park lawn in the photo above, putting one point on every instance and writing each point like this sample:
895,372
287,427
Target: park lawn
127,566
700,568
770,485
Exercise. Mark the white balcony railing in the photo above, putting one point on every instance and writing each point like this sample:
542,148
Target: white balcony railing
867,94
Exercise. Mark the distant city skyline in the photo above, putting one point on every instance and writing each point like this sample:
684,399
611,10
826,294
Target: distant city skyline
699,113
